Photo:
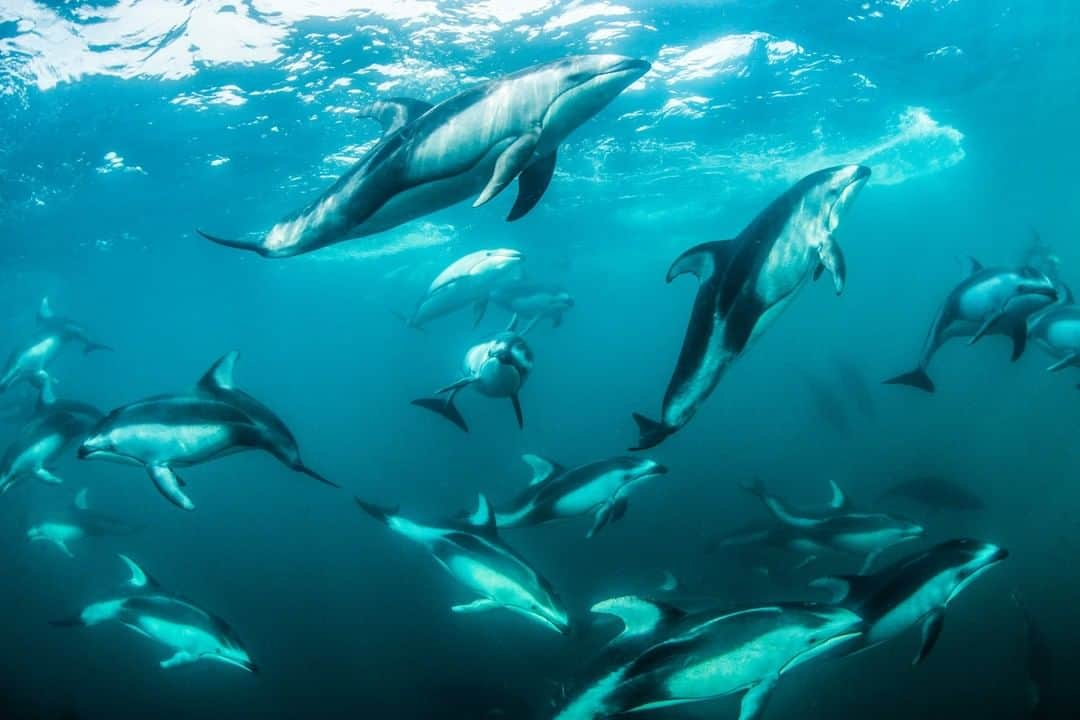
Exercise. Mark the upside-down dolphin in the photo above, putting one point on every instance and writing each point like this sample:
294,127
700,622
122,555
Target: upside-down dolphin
683,658
30,360
78,522
471,550
191,632
989,301
214,419
913,590
41,442
431,157
745,284
599,488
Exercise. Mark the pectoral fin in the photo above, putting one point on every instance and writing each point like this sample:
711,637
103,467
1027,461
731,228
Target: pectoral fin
1063,363
478,311
481,605
510,164
832,259
986,326
516,401
757,699
602,518
47,477
532,183
168,484
618,509
931,630
180,658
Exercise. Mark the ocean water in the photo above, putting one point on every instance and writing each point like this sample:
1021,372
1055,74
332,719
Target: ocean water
126,125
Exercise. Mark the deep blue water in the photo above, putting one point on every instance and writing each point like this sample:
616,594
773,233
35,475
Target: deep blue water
126,125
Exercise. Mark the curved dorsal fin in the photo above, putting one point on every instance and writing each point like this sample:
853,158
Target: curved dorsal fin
839,500
542,468
639,615
139,577
47,396
220,374
45,311
483,517
703,260
395,113
971,265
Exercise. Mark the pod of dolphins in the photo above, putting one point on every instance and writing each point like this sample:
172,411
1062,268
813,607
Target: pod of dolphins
474,145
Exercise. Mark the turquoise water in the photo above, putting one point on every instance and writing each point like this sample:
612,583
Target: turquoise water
127,125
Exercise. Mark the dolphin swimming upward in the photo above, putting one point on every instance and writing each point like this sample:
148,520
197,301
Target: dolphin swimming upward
431,157
989,301
191,632
747,282
29,361
213,419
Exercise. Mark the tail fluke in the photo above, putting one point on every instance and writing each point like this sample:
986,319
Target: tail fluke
302,468
445,407
91,346
916,378
651,433
238,244
405,320
382,514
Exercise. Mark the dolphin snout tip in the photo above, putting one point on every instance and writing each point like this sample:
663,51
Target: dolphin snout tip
83,452
1000,554
862,172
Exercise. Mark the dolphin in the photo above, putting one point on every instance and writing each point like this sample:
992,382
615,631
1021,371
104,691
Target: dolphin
78,523
1039,664
989,301
855,382
598,488
214,419
496,368
431,157
470,280
913,590
935,491
474,554
191,632
1057,331
748,281
43,440
534,300
769,531
865,534
679,657
30,360
827,403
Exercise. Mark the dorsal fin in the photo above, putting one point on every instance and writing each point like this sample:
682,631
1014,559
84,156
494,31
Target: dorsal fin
639,616
702,260
139,577
483,517
846,590
45,311
839,500
80,501
220,374
971,265
395,113
542,468
47,396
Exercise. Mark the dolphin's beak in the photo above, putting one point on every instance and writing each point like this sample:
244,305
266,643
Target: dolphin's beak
1000,555
631,65
85,451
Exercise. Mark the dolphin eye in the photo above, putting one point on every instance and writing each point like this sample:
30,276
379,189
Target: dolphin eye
811,640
